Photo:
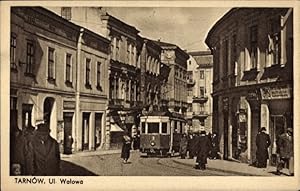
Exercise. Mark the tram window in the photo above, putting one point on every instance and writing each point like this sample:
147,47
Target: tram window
143,127
164,128
153,127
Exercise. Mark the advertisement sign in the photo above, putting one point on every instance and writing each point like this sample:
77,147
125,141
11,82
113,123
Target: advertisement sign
268,93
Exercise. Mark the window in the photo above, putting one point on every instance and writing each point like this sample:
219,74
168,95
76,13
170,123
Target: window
201,108
118,49
51,64
29,58
225,66
143,127
202,91
88,72
274,40
99,75
68,68
164,128
253,48
201,74
234,54
13,47
128,53
132,54
153,127
66,13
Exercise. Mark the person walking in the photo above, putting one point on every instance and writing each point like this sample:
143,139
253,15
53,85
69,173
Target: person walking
125,154
214,146
192,145
285,151
44,156
183,146
203,148
263,142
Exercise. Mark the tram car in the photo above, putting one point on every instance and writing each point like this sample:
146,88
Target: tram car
161,134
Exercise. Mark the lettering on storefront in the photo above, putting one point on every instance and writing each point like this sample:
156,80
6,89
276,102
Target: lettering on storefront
268,93
69,104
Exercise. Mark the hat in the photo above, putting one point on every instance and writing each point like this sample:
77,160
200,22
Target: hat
289,130
43,128
263,129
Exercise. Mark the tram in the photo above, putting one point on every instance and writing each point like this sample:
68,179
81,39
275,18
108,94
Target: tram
161,133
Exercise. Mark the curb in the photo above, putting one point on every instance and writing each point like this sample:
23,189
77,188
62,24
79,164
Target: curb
219,170
91,153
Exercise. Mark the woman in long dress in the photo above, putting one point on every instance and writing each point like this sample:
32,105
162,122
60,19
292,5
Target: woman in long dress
126,147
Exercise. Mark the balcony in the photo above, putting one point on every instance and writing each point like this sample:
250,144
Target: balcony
190,82
200,100
200,115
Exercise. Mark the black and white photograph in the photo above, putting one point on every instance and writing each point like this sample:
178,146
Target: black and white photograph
119,94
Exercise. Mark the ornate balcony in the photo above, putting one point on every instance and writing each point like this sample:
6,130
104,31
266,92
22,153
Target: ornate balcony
200,100
200,115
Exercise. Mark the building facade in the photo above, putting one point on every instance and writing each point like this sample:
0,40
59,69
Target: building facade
199,88
58,73
135,77
253,77
175,88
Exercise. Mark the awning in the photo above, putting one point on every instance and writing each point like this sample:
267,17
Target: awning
115,128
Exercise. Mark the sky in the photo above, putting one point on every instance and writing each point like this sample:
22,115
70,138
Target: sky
185,27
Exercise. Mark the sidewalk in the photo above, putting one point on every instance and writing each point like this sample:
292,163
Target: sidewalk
240,169
91,153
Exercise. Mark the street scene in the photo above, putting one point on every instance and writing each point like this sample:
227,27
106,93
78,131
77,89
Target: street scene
151,91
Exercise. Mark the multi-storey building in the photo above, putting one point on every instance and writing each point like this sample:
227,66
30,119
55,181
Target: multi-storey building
174,92
253,77
58,76
199,88
134,69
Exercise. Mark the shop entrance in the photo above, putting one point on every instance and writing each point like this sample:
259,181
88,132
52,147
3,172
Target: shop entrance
68,139
277,126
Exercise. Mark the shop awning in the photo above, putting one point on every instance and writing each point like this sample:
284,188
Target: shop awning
115,128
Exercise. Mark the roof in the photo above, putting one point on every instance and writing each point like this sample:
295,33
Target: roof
166,45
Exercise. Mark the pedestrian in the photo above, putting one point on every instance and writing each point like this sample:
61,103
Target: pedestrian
263,142
192,145
183,146
285,151
28,133
125,154
44,157
136,140
203,148
214,153
17,150
68,146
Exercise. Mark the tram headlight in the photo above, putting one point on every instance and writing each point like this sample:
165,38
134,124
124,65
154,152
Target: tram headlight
152,143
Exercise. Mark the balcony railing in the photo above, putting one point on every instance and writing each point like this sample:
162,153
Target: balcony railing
201,99
200,114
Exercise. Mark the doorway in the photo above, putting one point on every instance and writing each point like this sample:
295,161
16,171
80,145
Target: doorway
98,127
85,130
68,139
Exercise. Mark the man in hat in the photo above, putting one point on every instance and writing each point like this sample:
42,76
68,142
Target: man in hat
285,151
203,148
44,153
263,142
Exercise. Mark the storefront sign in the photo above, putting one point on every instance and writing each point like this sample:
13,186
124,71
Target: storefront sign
69,104
268,93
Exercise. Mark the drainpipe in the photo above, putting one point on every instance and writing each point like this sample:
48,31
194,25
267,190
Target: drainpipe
77,92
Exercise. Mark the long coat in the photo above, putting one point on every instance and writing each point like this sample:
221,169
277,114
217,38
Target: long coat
125,154
44,156
192,146
183,145
203,148
285,146
263,141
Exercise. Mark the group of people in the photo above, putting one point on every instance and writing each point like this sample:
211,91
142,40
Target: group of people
128,144
33,151
201,146
284,151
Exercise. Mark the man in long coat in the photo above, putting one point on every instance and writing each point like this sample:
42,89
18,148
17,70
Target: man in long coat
44,153
203,148
183,146
192,145
263,141
285,149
